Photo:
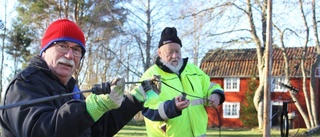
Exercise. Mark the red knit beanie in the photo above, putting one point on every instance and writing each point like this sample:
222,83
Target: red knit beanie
63,30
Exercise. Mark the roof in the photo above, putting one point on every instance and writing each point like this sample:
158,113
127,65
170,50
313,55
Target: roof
243,62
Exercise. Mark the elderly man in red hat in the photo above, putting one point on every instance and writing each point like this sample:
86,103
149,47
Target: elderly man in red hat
50,74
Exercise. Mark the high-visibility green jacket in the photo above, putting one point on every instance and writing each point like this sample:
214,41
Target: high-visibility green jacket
191,121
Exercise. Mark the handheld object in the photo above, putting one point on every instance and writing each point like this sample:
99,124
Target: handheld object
152,97
182,97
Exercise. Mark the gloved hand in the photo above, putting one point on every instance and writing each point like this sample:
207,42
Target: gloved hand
155,83
117,90
214,100
97,105
138,93
148,90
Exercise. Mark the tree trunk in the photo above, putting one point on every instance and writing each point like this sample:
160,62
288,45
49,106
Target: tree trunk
258,97
2,47
306,96
258,103
314,103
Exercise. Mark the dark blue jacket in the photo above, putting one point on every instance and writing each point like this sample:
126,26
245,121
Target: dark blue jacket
62,117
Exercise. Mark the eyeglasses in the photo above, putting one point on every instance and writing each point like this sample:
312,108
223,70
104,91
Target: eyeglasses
64,48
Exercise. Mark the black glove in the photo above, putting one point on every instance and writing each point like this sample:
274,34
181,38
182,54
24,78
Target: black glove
103,88
155,83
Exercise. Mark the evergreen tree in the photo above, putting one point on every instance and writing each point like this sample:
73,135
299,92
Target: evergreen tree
248,113
100,20
19,41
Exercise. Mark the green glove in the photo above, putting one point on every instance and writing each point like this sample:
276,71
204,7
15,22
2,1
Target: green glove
138,93
141,95
97,105
145,93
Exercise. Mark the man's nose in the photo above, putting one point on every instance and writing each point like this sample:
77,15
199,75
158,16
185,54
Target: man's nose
175,54
69,53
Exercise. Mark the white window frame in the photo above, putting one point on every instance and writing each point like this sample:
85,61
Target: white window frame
231,109
234,84
274,103
275,87
317,73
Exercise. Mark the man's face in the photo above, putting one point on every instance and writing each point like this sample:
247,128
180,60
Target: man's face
61,59
170,55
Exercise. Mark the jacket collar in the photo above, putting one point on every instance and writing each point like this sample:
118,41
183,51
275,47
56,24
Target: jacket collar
41,64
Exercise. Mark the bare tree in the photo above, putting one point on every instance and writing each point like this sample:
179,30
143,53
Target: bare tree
141,28
232,32
260,44
3,38
195,21
310,117
315,116
302,65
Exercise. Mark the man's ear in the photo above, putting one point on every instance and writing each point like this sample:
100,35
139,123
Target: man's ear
159,52
43,54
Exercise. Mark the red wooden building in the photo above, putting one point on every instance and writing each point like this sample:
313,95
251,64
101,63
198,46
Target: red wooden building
235,68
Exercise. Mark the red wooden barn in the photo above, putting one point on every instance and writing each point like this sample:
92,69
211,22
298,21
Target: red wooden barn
235,68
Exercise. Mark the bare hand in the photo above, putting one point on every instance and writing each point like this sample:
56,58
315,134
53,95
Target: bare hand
180,105
214,100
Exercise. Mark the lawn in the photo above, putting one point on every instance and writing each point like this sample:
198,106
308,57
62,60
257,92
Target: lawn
139,131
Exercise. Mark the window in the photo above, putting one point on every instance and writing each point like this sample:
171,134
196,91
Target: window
231,109
275,87
231,84
318,72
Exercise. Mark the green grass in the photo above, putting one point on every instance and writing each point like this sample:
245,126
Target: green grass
132,131
140,131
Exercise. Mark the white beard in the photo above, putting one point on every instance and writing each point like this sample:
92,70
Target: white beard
174,69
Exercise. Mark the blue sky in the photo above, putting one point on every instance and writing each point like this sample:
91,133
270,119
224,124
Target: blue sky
9,12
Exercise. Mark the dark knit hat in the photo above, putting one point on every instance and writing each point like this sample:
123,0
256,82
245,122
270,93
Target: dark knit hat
63,30
169,35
